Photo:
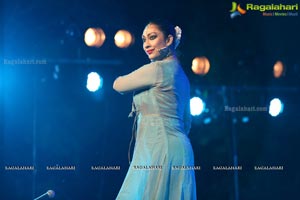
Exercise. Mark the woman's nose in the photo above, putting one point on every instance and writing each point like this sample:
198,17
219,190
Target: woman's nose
146,45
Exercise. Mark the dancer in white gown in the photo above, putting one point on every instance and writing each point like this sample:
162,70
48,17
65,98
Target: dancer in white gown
163,159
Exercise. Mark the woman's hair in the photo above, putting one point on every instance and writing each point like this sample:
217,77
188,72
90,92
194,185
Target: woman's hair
166,28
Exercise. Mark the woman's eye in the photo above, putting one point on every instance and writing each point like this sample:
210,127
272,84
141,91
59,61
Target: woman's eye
152,37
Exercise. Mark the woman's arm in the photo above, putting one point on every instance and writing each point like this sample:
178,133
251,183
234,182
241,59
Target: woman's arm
143,77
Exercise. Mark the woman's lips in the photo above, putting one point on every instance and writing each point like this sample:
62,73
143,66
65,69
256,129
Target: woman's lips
150,51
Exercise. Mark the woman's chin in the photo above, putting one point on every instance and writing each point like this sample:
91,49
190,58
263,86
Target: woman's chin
152,58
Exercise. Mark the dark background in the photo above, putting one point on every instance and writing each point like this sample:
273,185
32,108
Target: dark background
46,121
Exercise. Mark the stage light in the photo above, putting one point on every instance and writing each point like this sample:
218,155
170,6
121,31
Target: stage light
56,72
200,65
276,107
196,106
207,120
245,119
94,82
94,37
278,69
123,39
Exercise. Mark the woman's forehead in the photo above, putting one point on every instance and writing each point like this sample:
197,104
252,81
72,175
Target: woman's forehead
150,28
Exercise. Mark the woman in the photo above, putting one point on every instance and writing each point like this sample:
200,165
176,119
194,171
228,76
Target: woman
163,160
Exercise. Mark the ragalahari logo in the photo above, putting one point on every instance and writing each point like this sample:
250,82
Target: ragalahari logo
236,10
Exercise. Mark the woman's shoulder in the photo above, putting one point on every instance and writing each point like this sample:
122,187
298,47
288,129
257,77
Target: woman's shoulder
166,62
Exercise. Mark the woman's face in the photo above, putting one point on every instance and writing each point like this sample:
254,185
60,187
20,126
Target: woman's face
153,41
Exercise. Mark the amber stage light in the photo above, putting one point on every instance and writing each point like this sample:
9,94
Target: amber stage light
123,39
200,65
94,37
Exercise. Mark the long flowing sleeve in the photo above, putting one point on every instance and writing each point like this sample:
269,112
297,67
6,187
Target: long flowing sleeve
141,78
